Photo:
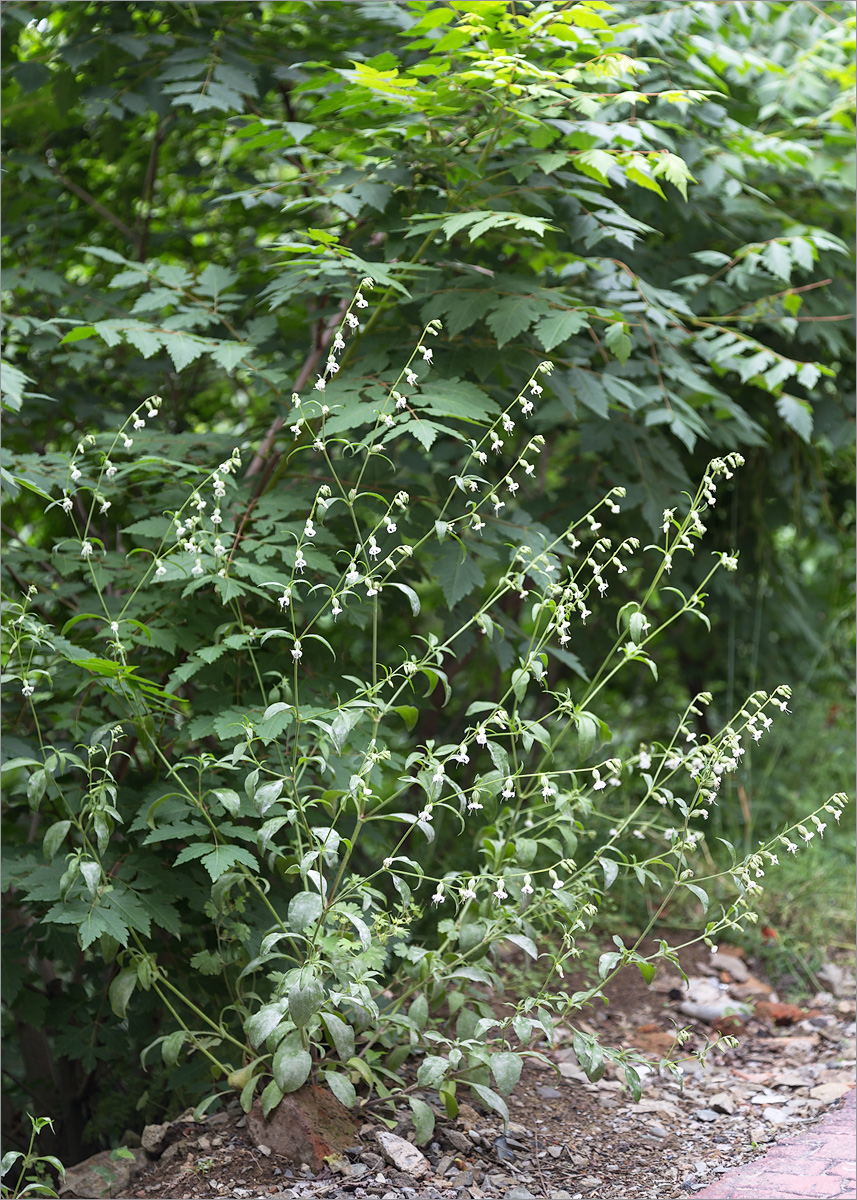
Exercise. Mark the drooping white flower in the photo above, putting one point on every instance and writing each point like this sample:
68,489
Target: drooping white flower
297,652
300,561
438,896
27,688
86,550
527,889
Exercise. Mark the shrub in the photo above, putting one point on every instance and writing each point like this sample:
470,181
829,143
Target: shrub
267,795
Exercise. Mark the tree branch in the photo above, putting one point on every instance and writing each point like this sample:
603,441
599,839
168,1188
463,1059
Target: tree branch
98,207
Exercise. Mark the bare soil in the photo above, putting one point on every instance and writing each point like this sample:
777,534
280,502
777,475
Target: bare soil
568,1138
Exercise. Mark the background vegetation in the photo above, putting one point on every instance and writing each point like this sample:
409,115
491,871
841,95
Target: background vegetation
656,197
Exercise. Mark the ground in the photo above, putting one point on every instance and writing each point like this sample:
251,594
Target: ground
567,1137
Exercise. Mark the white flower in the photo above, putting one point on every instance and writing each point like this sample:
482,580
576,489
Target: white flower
338,341
426,352
27,689
352,575
547,787
67,504
500,892
217,517
527,889
331,367
127,442
669,513
438,896
309,529
425,815
481,736
360,301
599,783
286,599
391,525
320,385
462,756
508,423
219,548
536,388
318,444
645,761
473,804
139,423
388,862
300,561
526,407
352,321
297,653
160,571
806,834
790,846
75,474
109,469
820,825
508,792
401,401
469,891
335,608
219,489
374,548
86,550
105,505
512,485
410,377
197,568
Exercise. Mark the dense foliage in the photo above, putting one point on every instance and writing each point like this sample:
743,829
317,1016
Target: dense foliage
652,196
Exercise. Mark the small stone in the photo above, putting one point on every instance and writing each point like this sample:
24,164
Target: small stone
732,966
775,1115
444,1164
459,1140
828,1092
519,1193
705,1114
402,1154
589,1182
549,1093
658,1129
722,1103
554,1151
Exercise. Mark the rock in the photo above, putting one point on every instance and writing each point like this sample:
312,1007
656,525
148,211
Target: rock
549,1093
841,983
521,1193
403,1156
732,966
792,1079
775,1115
554,1151
753,989
779,1014
711,1010
459,1140
305,1127
154,1139
589,1182
101,1175
722,1103
372,1160
828,1092
705,1114
444,1164
570,1071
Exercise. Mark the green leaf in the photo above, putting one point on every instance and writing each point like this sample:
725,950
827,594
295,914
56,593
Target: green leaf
304,1002
54,838
121,990
611,871
513,315
797,414
456,572
506,1068
617,341
291,1067
342,1088
304,909
419,1011
560,326
341,1034
271,1097
648,970
519,939
423,1120
408,713
491,1099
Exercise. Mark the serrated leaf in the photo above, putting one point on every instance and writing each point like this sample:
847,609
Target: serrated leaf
456,572
797,414
617,341
558,327
512,315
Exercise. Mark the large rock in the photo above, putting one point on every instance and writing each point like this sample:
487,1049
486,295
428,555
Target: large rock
403,1154
100,1176
306,1127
